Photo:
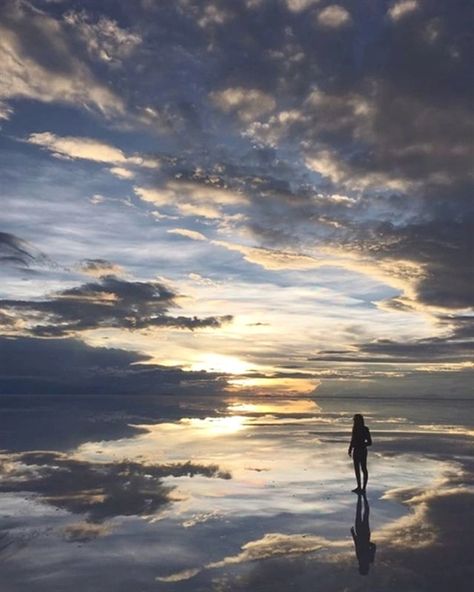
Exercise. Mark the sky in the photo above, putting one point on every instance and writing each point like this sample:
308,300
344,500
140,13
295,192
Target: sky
265,196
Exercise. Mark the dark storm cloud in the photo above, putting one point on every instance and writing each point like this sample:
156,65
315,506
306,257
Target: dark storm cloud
110,302
99,490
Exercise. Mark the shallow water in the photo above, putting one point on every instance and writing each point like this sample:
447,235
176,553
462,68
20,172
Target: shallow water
118,493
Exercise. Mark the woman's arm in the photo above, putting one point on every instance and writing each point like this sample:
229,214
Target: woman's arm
368,438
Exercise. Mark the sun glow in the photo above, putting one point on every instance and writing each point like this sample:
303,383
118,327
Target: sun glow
302,386
222,363
285,406
217,426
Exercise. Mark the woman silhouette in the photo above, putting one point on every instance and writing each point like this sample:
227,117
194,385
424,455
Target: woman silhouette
358,450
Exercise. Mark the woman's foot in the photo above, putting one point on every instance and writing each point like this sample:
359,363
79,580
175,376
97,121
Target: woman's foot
357,490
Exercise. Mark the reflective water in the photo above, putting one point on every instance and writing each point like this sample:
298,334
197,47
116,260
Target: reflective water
118,493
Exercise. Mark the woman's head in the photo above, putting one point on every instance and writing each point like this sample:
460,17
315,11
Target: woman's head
358,421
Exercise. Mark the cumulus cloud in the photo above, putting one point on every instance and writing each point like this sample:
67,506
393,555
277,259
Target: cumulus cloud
399,10
300,5
247,103
334,16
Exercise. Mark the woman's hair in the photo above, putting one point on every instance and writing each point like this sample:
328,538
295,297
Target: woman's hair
359,424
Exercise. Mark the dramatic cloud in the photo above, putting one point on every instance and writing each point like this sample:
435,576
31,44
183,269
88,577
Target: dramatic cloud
38,62
312,147
108,303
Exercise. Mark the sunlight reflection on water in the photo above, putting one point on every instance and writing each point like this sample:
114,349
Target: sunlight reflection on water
218,491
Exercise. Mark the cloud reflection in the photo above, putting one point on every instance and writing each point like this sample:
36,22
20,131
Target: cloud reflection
98,490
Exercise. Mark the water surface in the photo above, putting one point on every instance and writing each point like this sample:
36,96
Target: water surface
125,493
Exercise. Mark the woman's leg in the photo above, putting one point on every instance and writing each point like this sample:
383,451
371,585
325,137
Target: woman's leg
356,460
363,464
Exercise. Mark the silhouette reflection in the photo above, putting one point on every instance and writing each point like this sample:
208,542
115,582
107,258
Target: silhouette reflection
365,549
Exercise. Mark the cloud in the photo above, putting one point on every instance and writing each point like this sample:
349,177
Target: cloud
99,267
84,148
38,62
275,544
104,39
428,545
334,16
83,532
5,111
93,150
270,258
247,103
211,15
99,490
269,546
122,173
19,253
192,234
454,345
342,112
192,199
300,5
108,303
399,10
